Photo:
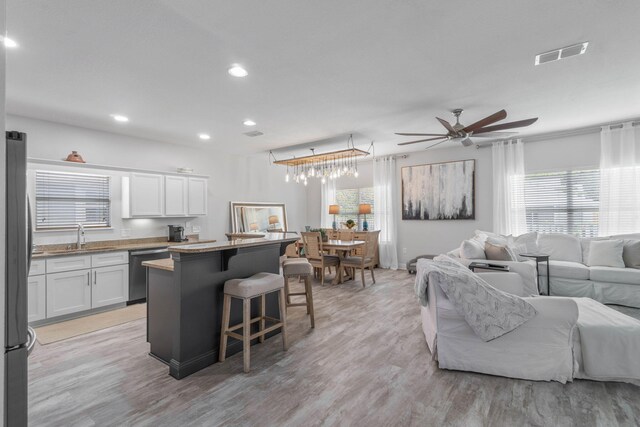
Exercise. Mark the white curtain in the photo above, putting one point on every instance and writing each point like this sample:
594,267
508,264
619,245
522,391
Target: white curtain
509,212
384,208
328,198
619,180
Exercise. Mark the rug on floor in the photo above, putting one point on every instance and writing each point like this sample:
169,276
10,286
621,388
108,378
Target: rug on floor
72,328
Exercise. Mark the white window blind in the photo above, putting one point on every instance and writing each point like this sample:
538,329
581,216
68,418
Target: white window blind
563,202
66,199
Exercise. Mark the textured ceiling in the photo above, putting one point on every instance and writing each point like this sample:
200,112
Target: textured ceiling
318,70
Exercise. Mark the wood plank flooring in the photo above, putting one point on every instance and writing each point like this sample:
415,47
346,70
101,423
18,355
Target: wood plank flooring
365,364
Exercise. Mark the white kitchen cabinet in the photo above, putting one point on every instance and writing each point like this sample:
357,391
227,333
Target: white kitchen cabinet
68,292
36,298
106,259
176,194
197,196
38,267
146,195
68,263
110,285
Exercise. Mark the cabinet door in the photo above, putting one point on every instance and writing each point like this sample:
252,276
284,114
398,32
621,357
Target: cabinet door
176,191
109,258
36,298
68,292
197,196
110,285
146,194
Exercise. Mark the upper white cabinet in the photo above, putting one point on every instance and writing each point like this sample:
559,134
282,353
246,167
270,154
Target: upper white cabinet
176,195
153,195
146,195
197,196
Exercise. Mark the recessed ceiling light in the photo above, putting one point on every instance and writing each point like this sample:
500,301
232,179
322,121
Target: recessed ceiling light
237,70
120,118
204,136
249,122
10,43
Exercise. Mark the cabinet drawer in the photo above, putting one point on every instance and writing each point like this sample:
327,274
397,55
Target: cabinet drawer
37,267
109,258
68,263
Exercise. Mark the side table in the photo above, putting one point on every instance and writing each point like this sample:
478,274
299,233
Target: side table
541,258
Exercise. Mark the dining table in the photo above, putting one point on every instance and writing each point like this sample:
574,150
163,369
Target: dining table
341,248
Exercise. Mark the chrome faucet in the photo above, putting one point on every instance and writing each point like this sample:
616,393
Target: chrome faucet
81,239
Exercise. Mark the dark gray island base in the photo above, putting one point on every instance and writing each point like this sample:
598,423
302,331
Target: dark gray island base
184,305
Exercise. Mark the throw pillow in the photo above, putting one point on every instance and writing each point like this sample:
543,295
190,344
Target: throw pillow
585,242
560,247
471,249
631,253
606,253
526,243
498,252
490,312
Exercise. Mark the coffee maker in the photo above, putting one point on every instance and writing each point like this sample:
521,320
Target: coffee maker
176,233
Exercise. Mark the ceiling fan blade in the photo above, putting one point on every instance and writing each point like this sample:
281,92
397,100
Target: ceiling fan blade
492,134
447,125
500,115
421,134
437,143
510,125
420,140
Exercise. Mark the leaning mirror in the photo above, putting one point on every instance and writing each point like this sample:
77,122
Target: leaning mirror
249,217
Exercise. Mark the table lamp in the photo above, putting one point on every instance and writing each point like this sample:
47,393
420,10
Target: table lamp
334,210
273,220
253,226
364,209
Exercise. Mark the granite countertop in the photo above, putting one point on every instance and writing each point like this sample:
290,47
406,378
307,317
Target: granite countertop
161,264
112,246
269,239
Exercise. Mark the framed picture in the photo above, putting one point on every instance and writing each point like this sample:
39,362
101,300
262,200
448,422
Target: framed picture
439,191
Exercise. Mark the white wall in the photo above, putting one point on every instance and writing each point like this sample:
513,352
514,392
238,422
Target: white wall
416,237
3,197
231,177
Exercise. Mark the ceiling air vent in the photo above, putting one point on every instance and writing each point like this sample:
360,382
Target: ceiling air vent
565,52
254,133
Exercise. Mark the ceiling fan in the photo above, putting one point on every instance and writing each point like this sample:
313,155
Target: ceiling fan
480,129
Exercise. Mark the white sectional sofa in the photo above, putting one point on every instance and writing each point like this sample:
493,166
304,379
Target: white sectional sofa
571,274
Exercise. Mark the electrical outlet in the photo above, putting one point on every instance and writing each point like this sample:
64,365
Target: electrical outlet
404,251
125,232
195,229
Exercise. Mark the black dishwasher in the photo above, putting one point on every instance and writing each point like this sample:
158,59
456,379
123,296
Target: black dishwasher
138,273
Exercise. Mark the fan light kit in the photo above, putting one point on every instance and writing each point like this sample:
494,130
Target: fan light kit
480,129
331,165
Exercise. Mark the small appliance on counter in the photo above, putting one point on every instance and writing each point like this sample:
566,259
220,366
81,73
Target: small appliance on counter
176,233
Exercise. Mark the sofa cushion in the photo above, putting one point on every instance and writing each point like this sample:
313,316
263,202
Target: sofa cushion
499,252
525,244
628,276
631,253
472,249
566,270
606,253
560,247
585,243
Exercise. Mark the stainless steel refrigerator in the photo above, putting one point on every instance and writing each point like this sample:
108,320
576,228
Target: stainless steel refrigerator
19,338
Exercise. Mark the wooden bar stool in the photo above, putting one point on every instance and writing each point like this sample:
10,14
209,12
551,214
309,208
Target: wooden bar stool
299,267
255,286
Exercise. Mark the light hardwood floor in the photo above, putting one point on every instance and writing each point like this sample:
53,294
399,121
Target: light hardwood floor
366,363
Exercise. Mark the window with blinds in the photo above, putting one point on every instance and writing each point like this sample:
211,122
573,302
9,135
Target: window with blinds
349,200
64,200
563,202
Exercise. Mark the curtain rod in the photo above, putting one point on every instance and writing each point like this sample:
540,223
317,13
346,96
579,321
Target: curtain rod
566,133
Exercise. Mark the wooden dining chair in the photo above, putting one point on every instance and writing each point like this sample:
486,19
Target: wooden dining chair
313,251
345,235
364,257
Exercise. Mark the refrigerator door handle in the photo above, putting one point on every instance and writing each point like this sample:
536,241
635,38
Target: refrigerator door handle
29,236
31,343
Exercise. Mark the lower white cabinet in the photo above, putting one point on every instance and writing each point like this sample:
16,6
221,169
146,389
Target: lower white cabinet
110,285
68,292
36,298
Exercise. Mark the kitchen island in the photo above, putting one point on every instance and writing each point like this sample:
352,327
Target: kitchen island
185,295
